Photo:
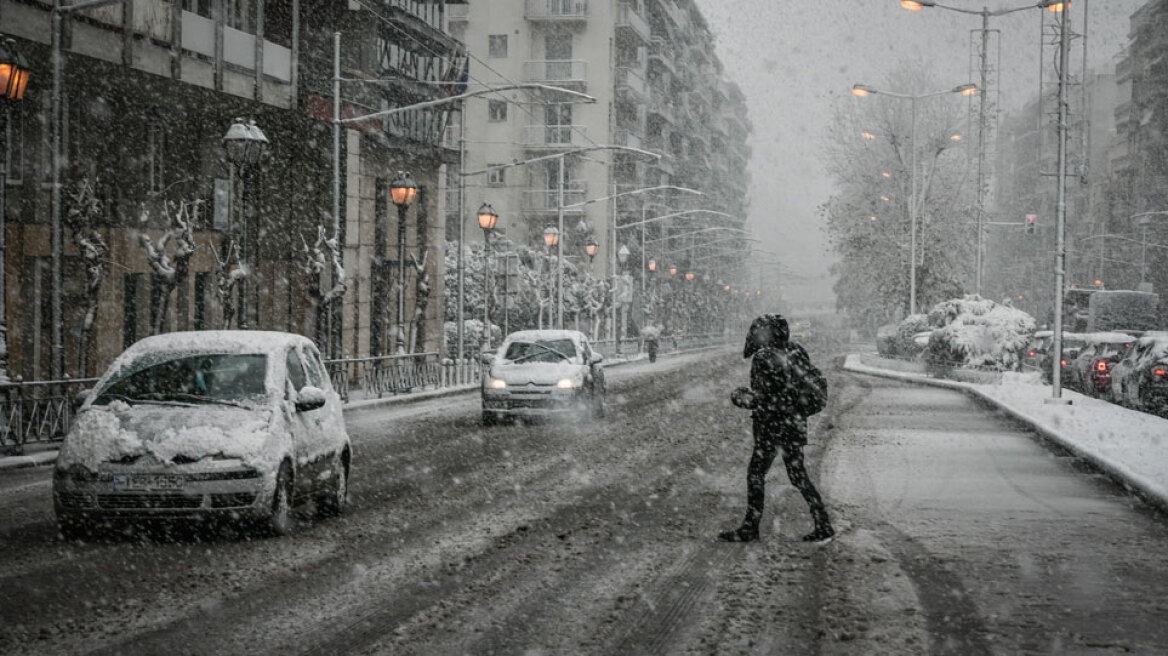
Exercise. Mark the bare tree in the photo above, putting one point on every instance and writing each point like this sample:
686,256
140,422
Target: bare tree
170,271
84,210
421,301
226,280
315,263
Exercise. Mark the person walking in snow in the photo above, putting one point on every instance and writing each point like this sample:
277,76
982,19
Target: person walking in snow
785,388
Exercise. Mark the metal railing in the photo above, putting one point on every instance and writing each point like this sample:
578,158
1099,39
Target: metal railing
555,136
556,9
39,411
666,344
357,379
561,71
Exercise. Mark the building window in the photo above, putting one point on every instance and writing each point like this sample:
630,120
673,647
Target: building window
15,142
155,147
497,111
497,46
200,7
496,177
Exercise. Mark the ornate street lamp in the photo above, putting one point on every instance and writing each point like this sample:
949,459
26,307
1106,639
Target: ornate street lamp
689,276
402,190
591,247
673,271
13,81
488,217
652,265
623,255
245,145
551,237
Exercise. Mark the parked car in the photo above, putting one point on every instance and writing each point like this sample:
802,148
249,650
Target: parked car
1090,372
1140,379
1039,345
542,373
237,426
1072,344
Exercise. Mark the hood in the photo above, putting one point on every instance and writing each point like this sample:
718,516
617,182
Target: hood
169,434
768,330
540,373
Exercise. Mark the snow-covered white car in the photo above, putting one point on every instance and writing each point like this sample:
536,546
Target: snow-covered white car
1140,379
239,426
543,373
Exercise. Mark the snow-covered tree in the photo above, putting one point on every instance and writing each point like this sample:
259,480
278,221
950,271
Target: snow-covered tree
316,260
170,270
229,271
81,216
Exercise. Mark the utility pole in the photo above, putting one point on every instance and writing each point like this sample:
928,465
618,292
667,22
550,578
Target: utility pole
1061,227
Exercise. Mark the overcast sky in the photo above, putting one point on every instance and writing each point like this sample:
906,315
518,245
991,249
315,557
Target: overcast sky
792,59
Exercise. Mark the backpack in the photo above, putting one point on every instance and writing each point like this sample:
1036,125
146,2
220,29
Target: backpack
811,392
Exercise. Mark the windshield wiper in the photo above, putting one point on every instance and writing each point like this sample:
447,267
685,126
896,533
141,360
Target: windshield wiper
195,398
544,347
131,400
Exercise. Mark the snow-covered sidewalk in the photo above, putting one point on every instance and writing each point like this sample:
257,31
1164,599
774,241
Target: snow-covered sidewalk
1130,446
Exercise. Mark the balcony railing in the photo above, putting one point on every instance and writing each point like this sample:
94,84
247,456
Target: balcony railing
457,13
623,137
629,22
556,10
425,11
555,136
561,71
631,80
662,105
548,200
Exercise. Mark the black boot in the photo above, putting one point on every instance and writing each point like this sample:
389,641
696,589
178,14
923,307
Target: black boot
744,533
823,532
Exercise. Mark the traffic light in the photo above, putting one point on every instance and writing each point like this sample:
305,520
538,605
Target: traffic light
1030,220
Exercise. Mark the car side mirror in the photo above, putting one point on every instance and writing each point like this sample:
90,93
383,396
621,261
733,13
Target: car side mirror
310,398
487,358
597,358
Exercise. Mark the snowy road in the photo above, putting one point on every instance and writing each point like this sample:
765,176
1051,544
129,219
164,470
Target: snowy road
963,535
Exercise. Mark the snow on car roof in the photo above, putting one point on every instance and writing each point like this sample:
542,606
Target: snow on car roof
545,335
1109,337
219,341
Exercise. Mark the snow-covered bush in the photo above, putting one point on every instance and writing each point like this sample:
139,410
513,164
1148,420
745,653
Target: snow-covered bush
886,339
472,337
904,342
973,331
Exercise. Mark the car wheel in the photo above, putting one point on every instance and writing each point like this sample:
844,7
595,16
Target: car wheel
490,418
336,500
279,520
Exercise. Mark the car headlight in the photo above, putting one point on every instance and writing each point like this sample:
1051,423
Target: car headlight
566,383
498,383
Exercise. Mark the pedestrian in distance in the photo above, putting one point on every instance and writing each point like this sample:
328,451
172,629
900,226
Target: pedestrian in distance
785,389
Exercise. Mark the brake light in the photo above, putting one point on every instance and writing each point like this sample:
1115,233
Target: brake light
1160,372
1064,362
1101,365
1032,354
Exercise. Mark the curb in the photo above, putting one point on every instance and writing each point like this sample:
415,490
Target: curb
1113,470
34,460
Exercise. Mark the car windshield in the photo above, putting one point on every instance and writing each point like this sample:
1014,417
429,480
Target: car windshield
542,350
222,378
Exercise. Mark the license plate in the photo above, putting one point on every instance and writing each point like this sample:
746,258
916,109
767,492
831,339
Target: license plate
147,482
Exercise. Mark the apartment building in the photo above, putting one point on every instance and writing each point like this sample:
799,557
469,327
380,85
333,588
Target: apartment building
658,85
149,90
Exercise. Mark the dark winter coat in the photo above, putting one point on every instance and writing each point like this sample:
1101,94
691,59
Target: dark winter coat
775,366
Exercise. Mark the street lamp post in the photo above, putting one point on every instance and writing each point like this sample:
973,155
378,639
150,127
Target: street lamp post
551,238
863,91
487,220
402,191
986,15
13,81
245,145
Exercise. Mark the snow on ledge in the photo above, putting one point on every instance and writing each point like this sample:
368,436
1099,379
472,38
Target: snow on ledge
1131,446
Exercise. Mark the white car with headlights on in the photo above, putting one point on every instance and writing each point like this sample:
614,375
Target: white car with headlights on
237,426
543,373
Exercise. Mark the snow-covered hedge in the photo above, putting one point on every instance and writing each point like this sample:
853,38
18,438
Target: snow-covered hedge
1123,310
472,337
974,331
906,330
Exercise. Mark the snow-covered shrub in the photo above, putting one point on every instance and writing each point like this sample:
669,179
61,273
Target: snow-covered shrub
973,331
472,337
906,330
886,339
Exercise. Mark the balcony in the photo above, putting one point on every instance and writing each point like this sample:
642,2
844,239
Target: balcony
661,105
558,72
661,53
556,10
667,164
630,82
625,137
631,25
555,137
547,201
